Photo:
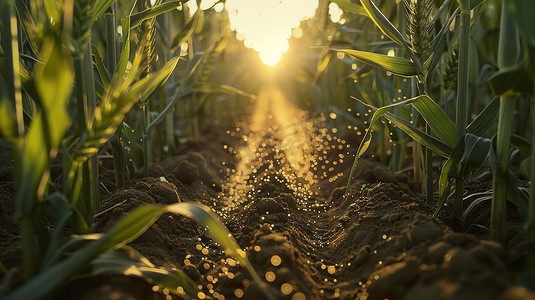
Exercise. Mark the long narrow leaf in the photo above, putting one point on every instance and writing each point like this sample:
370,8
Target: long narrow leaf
396,65
389,30
127,229
439,42
101,69
166,110
382,22
207,87
485,119
437,119
184,34
137,19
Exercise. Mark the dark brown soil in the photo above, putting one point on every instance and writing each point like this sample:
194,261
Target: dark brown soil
378,243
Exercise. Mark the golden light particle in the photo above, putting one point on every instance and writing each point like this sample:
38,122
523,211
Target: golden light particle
299,296
331,269
270,276
257,248
286,288
180,290
201,295
155,288
332,116
238,293
276,260
198,247
204,251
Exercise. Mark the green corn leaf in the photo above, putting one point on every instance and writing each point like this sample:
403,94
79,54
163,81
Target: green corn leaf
395,65
523,12
485,119
137,19
127,261
206,218
522,144
58,207
101,69
351,7
428,141
476,3
467,156
514,194
100,8
125,54
438,44
444,185
437,146
511,81
382,22
476,151
480,198
52,10
126,230
149,84
437,119
53,81
134,146
184,34
207,87
167,109
389,30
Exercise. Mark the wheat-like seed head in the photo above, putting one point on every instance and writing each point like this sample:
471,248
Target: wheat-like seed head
452,65
148,28
419,27
82,25
210,60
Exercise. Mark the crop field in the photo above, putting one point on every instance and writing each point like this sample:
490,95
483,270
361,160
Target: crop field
267,149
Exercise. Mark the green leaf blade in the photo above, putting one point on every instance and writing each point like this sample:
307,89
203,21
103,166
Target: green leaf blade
396,65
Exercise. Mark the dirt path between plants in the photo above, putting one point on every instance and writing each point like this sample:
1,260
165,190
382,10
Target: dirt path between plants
279,188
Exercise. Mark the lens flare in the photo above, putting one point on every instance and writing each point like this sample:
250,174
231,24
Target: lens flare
266,25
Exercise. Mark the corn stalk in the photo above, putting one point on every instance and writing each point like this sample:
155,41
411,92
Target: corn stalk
507,56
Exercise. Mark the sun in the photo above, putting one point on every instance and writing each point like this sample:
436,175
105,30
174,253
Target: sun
266,25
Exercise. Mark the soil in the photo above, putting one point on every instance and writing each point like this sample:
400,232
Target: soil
378,243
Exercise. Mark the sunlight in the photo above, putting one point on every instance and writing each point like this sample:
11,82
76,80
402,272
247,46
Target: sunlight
266,25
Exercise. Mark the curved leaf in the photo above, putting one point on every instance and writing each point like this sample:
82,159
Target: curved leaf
428,141
127,261
184,34
207,87
485,119
102,72
137,19
382,22
126,230
396,65
437,119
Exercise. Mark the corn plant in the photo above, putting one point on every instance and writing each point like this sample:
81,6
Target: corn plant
513,79
36,141
96,251
462,159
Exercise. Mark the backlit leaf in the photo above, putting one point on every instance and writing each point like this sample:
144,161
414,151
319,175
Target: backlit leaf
396,65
